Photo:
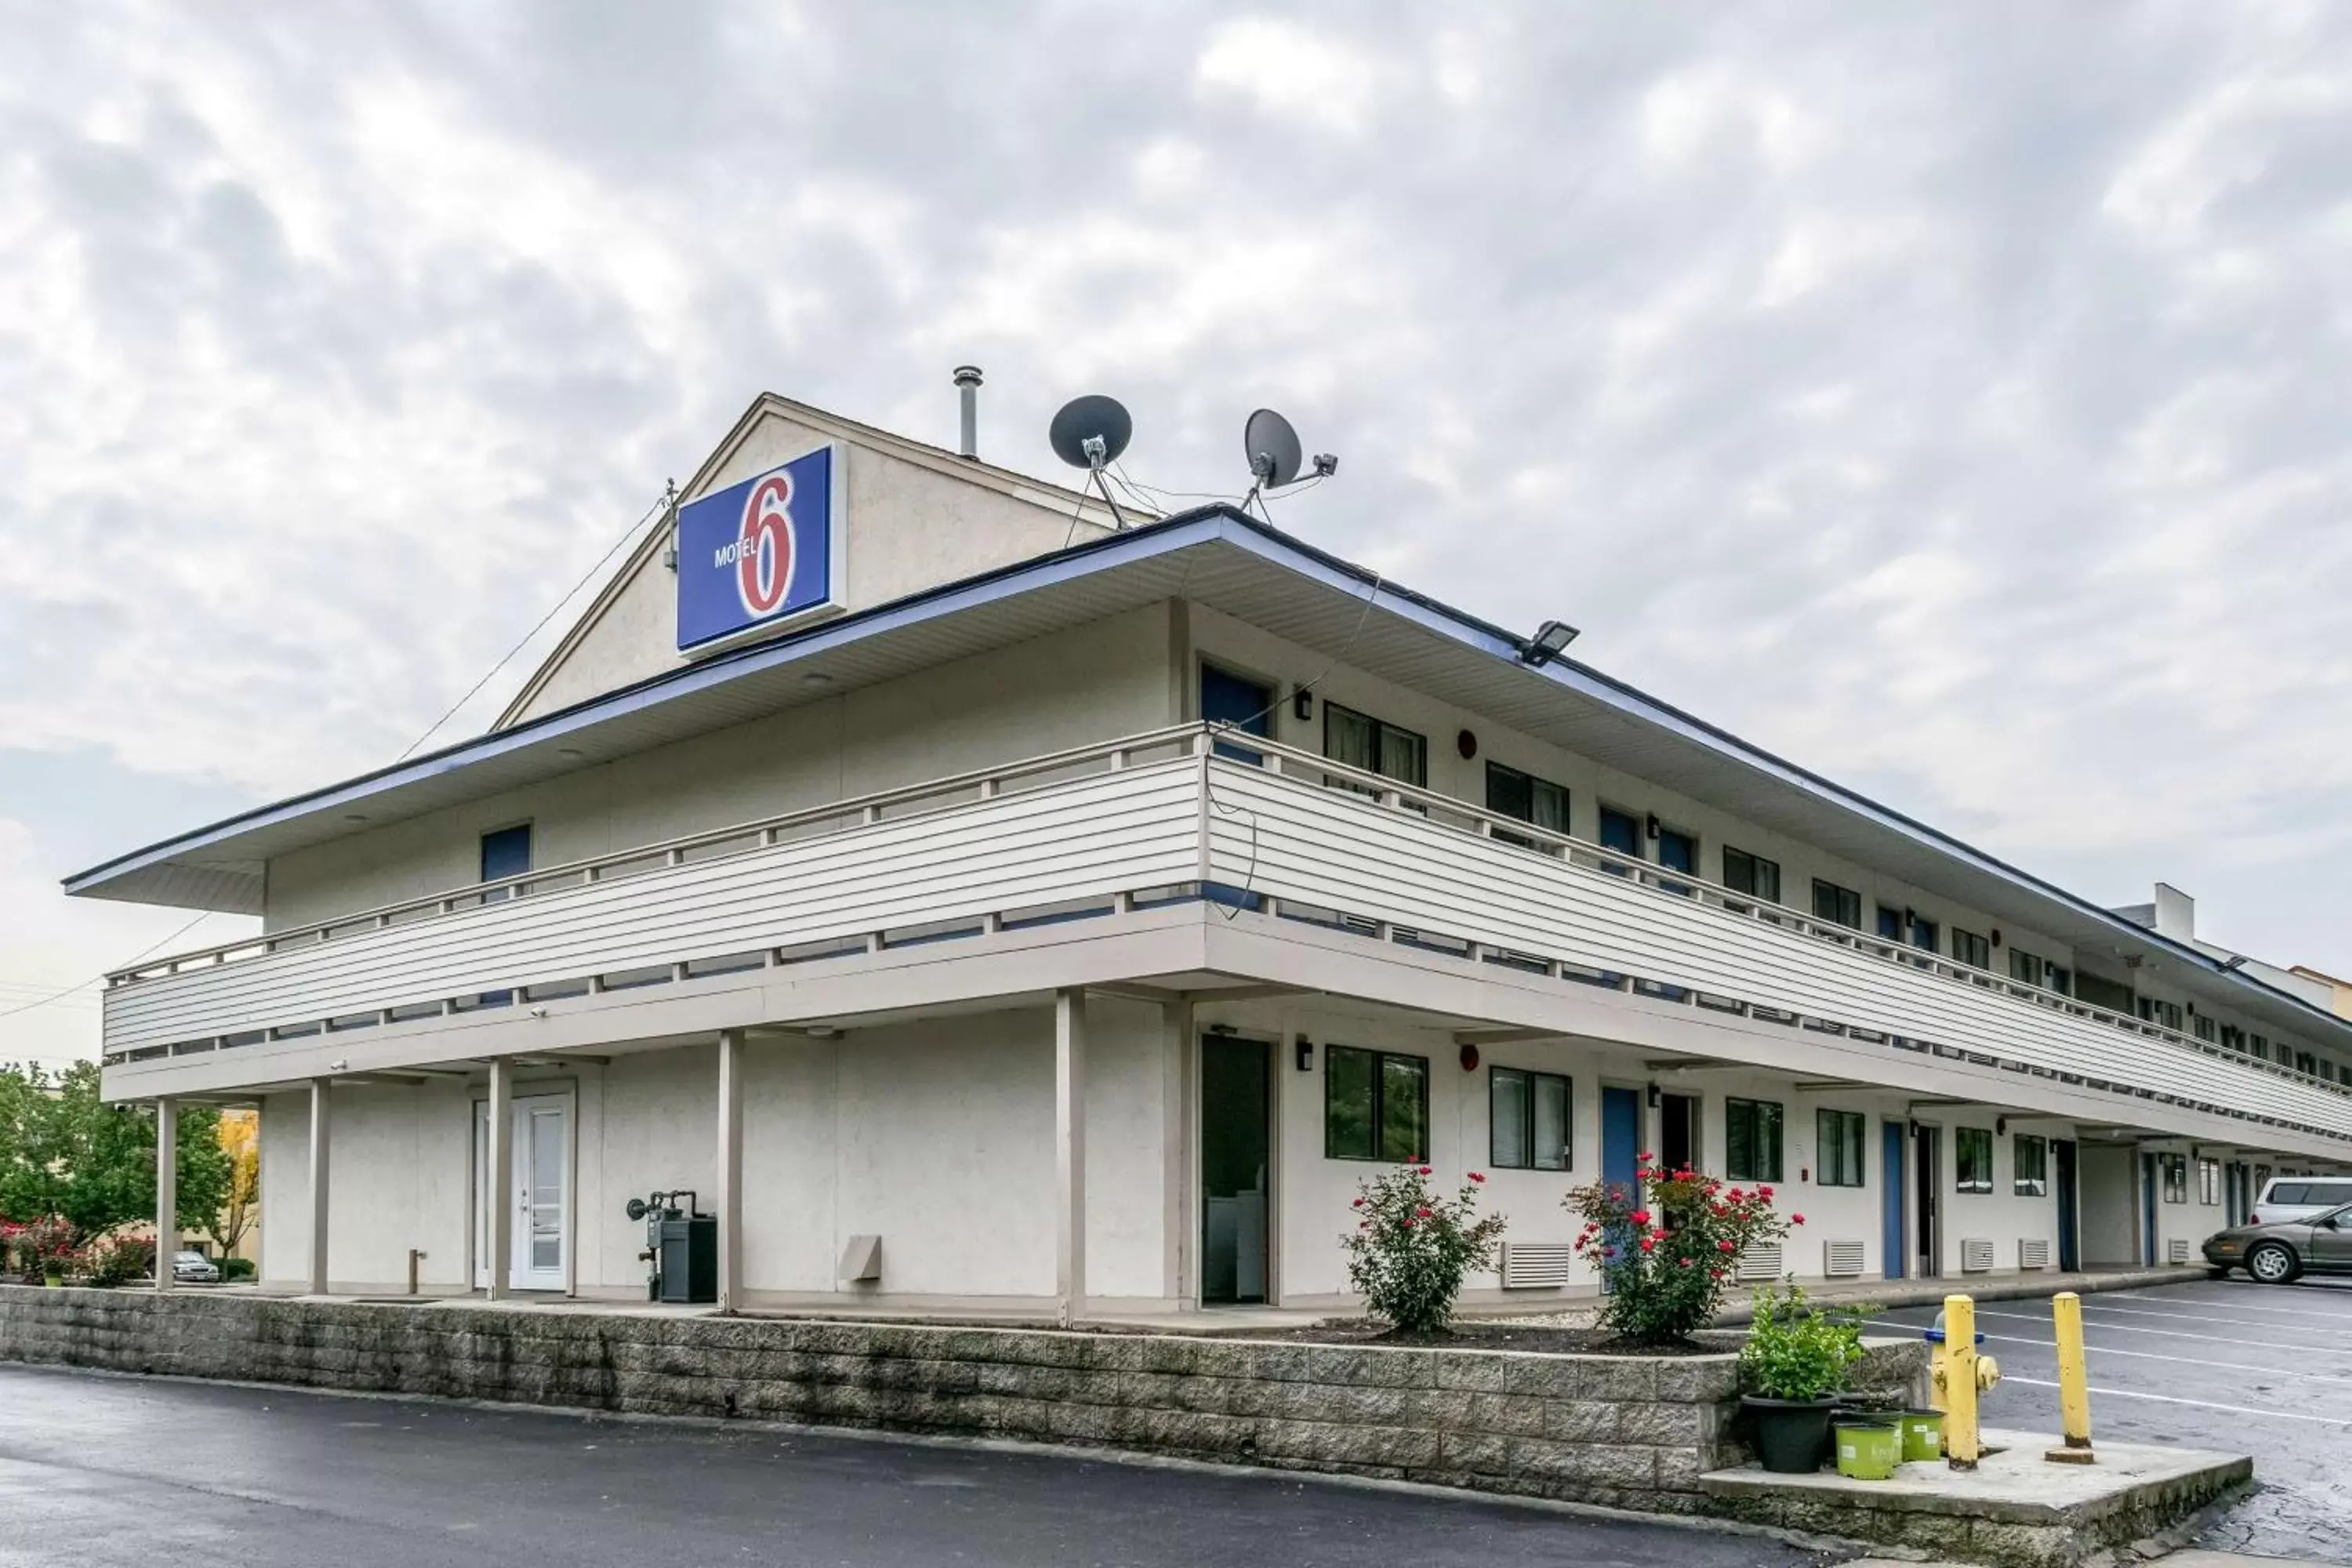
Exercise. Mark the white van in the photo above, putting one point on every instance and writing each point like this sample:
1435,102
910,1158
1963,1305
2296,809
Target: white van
2300,1197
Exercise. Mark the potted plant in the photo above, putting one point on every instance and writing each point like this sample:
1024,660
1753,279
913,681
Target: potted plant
1667,1246
1412,1247
1793,1365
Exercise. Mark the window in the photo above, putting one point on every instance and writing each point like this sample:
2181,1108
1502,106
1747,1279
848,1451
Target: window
1840,1134
2025,968
2030,1162
1841,906
1375,1105
1751,1140
2203,1027
2107,993
2304,1061
1527,1119
1362,742
1905,925
2234,1039
1511,792
1751,874
2208,1182
2260,1045
1972,1150
2175,1171
1678,851
1620,831
2165,1013
2060,980
1970,949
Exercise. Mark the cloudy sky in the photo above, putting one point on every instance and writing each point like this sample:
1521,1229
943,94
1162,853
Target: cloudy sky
1952,398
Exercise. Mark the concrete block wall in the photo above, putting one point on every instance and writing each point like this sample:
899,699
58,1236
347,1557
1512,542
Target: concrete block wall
1628,1432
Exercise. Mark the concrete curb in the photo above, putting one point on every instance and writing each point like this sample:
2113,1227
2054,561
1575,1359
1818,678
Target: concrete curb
2006,1287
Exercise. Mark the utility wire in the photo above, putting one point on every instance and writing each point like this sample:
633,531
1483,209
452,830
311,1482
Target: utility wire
85,984
569,594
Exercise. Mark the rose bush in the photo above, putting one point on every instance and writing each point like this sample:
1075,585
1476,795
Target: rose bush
1412,1249
1668,1246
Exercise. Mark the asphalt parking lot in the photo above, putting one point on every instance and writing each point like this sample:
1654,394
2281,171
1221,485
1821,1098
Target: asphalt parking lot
99,1471
2225,1364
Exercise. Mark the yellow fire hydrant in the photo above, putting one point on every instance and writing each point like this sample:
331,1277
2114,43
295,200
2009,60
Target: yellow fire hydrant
1957,1374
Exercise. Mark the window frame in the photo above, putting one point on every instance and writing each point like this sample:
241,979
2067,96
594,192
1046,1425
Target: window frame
1839,900
1829,1127
1378,1120
1972,949
2172,1176
1381,732
2209,1181
2020,1185
1751,864
1733,1107
1536,784
1963,1140
1533,1078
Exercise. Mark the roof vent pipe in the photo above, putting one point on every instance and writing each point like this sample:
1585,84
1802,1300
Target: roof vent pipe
967,380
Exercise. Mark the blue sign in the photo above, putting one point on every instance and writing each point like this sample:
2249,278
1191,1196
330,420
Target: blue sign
758,551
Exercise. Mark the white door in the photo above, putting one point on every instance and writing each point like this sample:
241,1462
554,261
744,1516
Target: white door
540,1200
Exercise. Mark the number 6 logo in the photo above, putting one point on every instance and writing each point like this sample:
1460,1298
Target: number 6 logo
764,562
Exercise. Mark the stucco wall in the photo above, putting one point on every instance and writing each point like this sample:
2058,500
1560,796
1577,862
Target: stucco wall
938,1136
1090,683
908,528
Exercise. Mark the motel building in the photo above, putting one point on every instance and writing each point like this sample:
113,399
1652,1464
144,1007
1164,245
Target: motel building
982,907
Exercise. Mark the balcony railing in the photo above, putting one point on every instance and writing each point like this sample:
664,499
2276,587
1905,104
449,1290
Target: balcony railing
1173,814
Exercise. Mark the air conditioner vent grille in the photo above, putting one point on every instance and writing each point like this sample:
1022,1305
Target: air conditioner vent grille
1976,1255
1534,1265
1842,1259
1762,1261
2033,1252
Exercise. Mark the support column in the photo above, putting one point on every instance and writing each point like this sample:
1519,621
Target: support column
167,1189
730,1169
498,1205
320,1129
1070,1156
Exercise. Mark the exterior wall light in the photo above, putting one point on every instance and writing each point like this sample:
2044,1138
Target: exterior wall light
1302,703
1305,1054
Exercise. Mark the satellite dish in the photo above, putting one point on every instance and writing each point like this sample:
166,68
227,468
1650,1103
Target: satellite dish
1090,432
1273,449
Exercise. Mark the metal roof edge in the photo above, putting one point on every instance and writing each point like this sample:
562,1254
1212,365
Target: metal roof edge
1177,533
1204,524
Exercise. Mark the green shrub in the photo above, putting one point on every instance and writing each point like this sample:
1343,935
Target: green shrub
1796,1351
236,1268
1411,1248
119,1259
1668,1246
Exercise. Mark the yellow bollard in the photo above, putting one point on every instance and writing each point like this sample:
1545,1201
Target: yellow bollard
1961,1442
2074,1380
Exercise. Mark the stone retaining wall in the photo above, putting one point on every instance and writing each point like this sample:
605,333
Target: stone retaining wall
1624,1432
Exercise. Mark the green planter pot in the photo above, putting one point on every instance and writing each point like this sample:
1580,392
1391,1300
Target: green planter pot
1868,1449
1923,1436
54,1281
1793,1435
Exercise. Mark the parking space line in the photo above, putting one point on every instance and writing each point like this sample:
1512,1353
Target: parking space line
2298,1373
2130,1328
2208,1318
2343,1317
2200,1403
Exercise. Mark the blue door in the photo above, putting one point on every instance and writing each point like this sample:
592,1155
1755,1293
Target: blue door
2147,1209
2070,1213
505,853
1246,705
1621,1142
1890,1241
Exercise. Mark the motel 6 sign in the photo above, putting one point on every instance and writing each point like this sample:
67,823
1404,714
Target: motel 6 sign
768,549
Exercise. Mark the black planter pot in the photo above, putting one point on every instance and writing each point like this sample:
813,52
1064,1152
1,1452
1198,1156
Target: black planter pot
1793,1435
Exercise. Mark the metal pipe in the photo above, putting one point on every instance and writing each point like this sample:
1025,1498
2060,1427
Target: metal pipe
967,380
2073,1380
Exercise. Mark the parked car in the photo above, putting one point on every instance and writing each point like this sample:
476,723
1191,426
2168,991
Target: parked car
194,1268
2299,1197
2275,1253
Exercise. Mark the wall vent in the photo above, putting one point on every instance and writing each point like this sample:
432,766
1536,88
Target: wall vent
1534,1265
1842,1259
2176,1251
1976,1255
1762,1261
2033,1252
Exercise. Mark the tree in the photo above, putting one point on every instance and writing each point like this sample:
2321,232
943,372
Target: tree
66,1152
240,1140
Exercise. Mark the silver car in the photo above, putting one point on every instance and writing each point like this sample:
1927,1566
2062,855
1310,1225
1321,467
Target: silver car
2276,1253
194,1268
2299,1197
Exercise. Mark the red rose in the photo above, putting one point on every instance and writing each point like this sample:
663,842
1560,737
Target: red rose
1763,1192
1723,1246
1476,1177
1796,1219
1688,1262
1358,1203
1645,1156
1648,1245
1639,1216
1406,1222
1426,1171
1422,1211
